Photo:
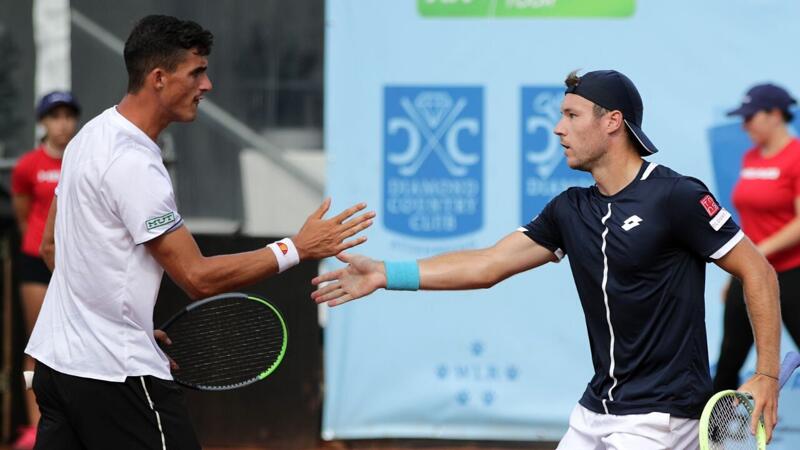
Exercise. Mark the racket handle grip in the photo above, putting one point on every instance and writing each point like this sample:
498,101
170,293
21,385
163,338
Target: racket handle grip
790,362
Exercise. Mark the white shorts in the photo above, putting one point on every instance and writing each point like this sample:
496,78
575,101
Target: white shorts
653,431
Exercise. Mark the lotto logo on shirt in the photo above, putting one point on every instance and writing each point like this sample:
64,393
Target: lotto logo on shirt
544,169
710,205
432,160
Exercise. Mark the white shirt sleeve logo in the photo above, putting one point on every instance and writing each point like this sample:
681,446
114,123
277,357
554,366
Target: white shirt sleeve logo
157,222
719,220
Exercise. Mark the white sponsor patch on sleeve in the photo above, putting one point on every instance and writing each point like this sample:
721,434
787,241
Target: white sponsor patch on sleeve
719,220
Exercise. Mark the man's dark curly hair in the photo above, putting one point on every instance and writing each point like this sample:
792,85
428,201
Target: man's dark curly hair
161,41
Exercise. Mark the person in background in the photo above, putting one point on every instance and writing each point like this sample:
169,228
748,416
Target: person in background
767,197
33,184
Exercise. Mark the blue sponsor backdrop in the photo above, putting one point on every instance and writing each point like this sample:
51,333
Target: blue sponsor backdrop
544,168
443,126
432,172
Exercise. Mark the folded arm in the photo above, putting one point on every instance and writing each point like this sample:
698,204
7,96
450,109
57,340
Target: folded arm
787,237
22,209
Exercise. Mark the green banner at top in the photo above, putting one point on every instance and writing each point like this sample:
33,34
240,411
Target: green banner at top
526,8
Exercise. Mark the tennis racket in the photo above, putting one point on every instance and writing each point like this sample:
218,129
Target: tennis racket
725,422
225,342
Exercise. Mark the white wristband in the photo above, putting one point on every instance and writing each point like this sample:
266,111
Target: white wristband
286,254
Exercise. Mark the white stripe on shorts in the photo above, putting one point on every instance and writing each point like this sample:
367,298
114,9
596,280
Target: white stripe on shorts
158,417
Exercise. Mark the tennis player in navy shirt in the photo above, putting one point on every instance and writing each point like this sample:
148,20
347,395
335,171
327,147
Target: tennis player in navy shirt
638,242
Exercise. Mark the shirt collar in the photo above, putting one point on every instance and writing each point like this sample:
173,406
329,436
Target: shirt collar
135,132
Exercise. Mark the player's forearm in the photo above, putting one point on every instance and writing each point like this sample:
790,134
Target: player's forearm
470,269
475,269
761,293
214,275
786,237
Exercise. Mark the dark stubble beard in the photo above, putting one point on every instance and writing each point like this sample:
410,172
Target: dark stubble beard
588,164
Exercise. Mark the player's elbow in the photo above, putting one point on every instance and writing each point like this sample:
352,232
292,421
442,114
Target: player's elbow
198,291
767,272
762,273
761,270
197,285
485,283
487,275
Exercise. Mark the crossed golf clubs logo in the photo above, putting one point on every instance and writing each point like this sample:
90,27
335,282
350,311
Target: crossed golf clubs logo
434,116
548,105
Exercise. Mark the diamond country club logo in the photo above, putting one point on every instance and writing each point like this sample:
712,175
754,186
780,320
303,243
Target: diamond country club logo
433,153
544,169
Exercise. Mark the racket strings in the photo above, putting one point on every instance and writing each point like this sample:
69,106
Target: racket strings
729,425
226,343
242,360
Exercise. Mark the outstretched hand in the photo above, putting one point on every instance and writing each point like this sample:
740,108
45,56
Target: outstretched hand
765,395
320,238
361,277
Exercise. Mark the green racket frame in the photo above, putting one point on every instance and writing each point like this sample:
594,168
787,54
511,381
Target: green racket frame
267,371
761,434
278,360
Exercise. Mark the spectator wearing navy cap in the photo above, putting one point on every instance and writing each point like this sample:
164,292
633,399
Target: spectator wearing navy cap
638,242
767,197
33,184
52,101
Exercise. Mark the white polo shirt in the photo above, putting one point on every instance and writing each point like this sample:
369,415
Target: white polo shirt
114,195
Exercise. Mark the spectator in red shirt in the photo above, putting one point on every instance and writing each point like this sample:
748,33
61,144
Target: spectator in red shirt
33,184
767,197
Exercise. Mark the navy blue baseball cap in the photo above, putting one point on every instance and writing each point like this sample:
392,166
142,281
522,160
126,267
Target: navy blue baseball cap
616,92
55,99
763,97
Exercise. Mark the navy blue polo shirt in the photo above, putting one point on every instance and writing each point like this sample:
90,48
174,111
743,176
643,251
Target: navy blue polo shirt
638,259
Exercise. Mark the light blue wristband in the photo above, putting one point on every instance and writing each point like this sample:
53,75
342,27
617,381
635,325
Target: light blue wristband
402,275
